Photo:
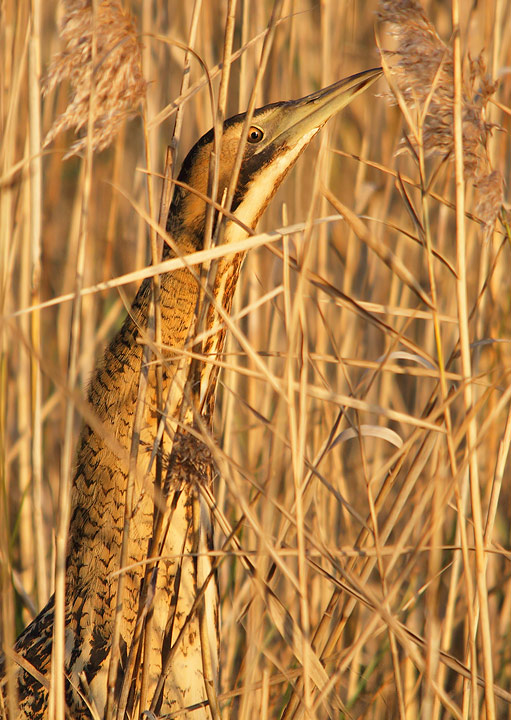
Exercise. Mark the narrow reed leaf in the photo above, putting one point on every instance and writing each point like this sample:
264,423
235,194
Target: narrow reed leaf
375,431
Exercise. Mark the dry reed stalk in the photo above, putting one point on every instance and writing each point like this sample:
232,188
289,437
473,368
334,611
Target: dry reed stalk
34,98
154,335
83,114
265,53
170,164
191,260
199,84
14,49
220,116
208,270
472,431
26,527
166,198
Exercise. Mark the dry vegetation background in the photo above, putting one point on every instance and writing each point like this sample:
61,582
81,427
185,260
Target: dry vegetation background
374,465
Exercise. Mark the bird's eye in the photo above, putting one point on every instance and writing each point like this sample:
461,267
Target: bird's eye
255,134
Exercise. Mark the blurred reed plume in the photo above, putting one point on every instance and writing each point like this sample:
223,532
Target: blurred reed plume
116,70
424,76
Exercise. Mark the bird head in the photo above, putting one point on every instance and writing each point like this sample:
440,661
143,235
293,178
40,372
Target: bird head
277,136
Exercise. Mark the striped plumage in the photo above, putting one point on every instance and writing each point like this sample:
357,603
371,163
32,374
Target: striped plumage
97,520
168,672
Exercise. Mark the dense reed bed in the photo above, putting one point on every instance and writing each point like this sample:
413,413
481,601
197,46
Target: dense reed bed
363,428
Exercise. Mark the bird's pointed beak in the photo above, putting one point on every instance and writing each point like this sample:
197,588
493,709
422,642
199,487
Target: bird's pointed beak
308,114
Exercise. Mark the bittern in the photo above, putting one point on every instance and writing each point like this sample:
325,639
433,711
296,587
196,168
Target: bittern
151,641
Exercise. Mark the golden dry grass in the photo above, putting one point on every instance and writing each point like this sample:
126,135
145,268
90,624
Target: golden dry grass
364,425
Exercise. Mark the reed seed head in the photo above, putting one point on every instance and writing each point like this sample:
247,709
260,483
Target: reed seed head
423,70
117,74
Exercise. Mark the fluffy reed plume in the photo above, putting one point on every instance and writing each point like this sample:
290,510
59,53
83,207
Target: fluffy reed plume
424,75
118,81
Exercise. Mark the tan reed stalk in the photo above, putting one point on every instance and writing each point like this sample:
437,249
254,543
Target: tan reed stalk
170,165
265,52
154,336
114,210
26,528
164,206
460,499
34,100
130,502
57,686
14,50
475,492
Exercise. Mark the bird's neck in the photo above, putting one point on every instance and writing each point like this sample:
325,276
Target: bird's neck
186,223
